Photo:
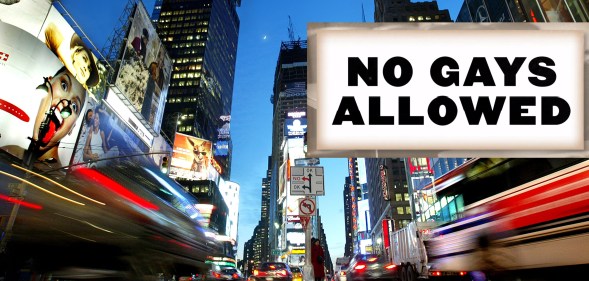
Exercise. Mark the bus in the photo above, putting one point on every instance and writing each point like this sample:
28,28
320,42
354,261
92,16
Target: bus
517,217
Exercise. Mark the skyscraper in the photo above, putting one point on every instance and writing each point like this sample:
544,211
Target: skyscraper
389,195
289,96
201,38
406,11
265,208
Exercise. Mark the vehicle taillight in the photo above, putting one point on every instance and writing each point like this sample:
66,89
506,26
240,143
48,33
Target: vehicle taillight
360,267
342,273
390,266
462,273
436,273
256,272
235,276
217,275
282,272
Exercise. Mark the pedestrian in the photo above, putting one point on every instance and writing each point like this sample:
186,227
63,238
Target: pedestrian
317,259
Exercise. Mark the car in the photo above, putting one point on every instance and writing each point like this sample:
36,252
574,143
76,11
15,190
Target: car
297,273
340,274
213,272
371,267
231,273
272,271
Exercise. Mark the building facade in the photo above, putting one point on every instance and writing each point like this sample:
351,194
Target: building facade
201,38
289,95
389,196
349,246
265,213
523,11
406,11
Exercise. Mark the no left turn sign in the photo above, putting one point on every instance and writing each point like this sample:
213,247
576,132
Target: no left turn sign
307,207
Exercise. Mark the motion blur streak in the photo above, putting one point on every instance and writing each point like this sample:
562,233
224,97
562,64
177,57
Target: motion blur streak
92,225
22,203
58,184
164,183
77,236
40,188
116,188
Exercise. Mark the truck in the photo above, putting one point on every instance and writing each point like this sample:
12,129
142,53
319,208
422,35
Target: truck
514,218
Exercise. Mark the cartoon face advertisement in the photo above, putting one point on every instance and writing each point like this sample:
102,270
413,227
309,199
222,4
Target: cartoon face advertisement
191,158
41,102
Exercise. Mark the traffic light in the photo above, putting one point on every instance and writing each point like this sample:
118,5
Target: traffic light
164,166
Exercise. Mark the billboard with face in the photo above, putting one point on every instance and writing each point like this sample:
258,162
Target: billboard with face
144,75
105,137
63,41
191,158
41,100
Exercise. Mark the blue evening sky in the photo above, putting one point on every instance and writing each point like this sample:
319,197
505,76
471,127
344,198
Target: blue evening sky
264,24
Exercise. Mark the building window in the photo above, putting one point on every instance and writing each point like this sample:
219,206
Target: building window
400,211
398,197
406,196
407,210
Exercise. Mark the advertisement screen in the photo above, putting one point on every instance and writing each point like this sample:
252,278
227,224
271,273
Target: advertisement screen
221,148
144,75
295,127
292,208
225,131
68,46
26,15
191,158
40,99
105,137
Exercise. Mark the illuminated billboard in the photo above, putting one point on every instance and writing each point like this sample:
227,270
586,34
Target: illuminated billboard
40,99
295,127
205,210
27,15
68,46
221,148
292,208
105,136
225,131
191,158
144,74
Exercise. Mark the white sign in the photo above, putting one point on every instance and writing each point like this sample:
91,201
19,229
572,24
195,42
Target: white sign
306,181
476,90
307,206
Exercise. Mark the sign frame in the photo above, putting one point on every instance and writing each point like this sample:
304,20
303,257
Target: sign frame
307,180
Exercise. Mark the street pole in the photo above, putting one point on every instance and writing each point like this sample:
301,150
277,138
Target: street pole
18,193
308,267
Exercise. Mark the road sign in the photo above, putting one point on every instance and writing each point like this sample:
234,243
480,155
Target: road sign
305,221
276,252
307,207
306,181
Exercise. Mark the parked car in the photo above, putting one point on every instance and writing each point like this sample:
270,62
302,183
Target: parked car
270,271
369,266
340,273
297,273
231,273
